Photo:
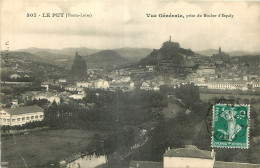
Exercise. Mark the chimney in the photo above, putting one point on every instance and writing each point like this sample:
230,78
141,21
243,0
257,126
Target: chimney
167,149
212,153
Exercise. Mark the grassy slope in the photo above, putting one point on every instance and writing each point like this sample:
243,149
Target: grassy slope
41,148
171,110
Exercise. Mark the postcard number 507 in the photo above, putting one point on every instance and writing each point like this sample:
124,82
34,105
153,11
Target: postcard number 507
31,14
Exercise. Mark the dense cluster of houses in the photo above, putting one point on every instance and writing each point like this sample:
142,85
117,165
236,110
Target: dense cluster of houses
39,95
205,76
211,78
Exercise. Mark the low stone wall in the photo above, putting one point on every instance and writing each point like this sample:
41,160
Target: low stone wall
25,131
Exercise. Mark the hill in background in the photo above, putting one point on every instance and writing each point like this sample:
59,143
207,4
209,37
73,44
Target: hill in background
134,54
106,59
65,51
169,59
21,55
170,53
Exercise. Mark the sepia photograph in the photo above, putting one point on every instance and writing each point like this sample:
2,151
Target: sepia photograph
129,84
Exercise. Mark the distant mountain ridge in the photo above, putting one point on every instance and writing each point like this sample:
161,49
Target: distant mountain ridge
210,52
65,51
110,59
133,54
51,56
95,58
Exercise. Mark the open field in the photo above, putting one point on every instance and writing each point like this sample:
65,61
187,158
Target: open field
40,149
171,110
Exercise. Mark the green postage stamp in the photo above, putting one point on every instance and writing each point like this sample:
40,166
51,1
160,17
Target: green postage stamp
230,126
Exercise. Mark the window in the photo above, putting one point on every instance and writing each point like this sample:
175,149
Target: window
13,120
27,118
8,120
18,119
41,116
32,117
4,120
36,117
23,118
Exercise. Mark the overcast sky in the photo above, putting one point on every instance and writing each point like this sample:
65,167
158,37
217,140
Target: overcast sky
117,24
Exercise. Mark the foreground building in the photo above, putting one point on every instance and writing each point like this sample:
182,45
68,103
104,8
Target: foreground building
21,115
190,157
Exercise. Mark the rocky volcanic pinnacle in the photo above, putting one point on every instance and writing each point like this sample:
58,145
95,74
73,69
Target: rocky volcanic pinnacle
78,70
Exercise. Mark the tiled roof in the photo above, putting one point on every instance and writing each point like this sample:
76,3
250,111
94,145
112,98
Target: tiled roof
219,164
24,110
145,164
189,152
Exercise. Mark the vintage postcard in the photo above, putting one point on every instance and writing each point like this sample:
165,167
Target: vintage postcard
130,84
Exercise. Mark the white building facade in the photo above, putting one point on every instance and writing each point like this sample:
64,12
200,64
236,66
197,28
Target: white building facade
189,157
21,115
